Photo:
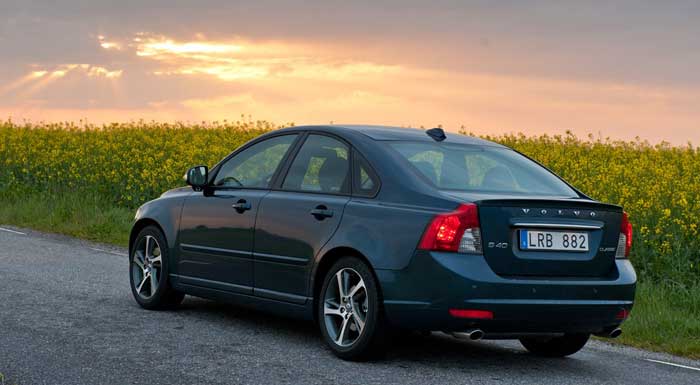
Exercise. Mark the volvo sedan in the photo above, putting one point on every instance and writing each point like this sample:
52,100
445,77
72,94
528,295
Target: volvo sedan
372,231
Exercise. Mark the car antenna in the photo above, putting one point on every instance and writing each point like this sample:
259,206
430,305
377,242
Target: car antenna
437,134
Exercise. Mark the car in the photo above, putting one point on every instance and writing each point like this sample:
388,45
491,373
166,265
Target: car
374,232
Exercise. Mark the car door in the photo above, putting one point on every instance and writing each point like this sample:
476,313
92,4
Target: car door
217,224
297,219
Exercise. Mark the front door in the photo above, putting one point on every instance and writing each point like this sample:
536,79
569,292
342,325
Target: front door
297,220
217,225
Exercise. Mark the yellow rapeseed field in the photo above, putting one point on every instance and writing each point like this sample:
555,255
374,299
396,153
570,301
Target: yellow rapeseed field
128,164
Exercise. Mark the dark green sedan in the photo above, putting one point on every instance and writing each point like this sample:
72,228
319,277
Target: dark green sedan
376,231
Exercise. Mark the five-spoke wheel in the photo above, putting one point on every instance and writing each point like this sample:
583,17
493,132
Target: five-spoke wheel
349,310
345,307
148,268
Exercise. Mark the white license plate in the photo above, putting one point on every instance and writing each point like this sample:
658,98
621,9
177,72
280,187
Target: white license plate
553,240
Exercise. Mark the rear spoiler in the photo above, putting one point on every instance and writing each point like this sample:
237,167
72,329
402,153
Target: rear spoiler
559,203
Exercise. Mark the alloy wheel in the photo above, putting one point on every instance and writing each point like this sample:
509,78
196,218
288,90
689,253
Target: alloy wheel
345,307
146,267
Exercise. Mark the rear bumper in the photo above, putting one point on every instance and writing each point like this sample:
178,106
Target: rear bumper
420,296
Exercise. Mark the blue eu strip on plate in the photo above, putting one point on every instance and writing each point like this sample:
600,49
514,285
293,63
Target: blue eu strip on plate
523,239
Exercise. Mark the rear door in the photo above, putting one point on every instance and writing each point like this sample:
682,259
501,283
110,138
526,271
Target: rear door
297,219
217,224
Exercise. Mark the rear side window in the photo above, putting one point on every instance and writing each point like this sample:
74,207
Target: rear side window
321,165
481,169
365,180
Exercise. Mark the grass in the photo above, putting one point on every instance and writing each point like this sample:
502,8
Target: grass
79,215
665,318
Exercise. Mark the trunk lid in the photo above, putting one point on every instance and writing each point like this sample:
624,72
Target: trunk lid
502,219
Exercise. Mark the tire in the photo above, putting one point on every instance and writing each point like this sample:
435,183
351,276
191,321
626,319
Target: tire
361,313
149,293
557,346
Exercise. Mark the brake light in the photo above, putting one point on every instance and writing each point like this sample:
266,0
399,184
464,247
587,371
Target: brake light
457,231
471,313
624,244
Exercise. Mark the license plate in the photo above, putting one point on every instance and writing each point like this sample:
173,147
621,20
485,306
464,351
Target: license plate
553,240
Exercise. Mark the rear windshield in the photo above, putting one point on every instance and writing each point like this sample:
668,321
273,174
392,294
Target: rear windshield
481,169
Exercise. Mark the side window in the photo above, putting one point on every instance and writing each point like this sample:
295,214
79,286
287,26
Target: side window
254,166
321,165
366,183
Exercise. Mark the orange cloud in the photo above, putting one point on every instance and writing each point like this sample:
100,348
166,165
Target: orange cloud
241,60
104,43
96,72
37,80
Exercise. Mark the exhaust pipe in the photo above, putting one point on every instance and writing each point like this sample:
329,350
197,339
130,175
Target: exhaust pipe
473,335
614,333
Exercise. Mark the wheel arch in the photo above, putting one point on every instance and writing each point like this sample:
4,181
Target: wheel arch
142,224
325,263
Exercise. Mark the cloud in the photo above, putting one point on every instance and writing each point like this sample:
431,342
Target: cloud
235,60
27,86
104,43
96,72
88,70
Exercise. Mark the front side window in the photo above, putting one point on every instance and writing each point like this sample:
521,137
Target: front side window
481,169
322,165
255,166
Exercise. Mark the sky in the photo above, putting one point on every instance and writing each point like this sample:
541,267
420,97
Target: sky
619,69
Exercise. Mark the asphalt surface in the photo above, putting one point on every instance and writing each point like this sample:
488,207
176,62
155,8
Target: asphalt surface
67,317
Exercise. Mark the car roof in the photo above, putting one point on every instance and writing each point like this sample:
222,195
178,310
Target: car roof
395,133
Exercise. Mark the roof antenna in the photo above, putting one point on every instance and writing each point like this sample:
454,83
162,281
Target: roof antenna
437,134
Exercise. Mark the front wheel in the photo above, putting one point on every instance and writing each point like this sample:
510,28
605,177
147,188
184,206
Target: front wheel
349,311
563,346
148,271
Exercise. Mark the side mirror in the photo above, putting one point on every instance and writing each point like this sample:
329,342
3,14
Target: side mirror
197,177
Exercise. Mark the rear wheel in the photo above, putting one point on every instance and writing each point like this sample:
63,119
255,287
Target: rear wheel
349,311
148,271
563,346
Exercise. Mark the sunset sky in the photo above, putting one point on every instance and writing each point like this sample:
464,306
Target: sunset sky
616,68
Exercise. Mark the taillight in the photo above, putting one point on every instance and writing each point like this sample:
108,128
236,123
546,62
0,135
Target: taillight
624,243
457,231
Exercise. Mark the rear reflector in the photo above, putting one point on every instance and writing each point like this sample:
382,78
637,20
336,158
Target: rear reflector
471,313
456,231
622,314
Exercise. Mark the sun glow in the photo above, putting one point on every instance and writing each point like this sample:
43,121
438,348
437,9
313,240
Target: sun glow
165,47
37,80
108,44
241,60
96,71
37,74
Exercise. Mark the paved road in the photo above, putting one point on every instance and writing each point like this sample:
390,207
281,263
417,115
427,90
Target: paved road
67,317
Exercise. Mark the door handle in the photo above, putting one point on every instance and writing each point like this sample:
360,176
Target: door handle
241,206
321,212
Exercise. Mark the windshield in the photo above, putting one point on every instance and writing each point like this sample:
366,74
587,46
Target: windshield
481,169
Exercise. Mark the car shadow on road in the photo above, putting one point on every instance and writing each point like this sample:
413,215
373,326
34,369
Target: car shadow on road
436,350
